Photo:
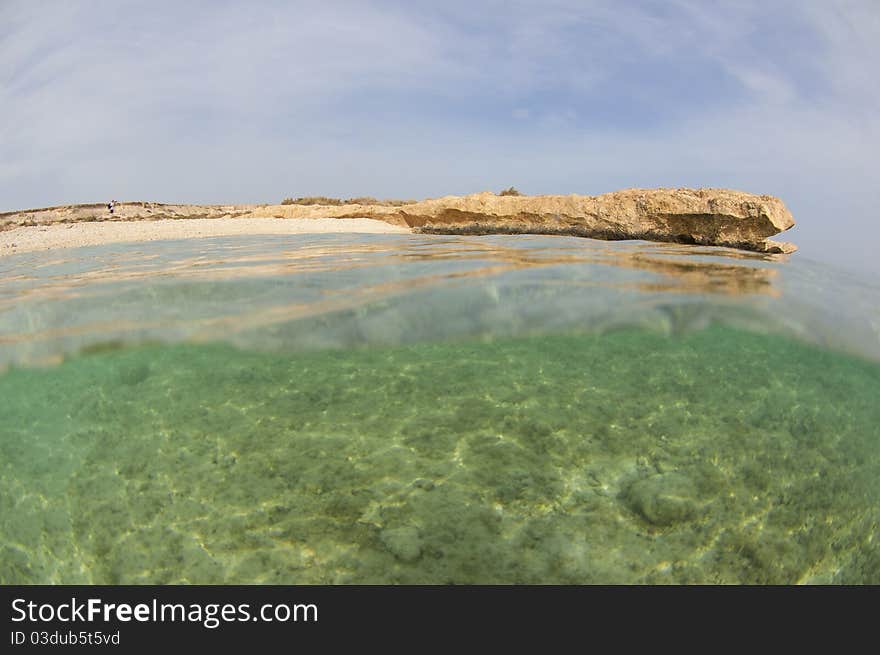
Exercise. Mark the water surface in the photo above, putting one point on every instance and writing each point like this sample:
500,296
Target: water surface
403,409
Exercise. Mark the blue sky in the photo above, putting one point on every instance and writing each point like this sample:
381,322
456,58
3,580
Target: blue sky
216,102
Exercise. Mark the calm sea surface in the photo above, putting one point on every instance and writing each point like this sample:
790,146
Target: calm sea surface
408,409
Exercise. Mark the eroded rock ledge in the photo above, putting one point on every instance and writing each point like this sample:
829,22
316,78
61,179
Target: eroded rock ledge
711,217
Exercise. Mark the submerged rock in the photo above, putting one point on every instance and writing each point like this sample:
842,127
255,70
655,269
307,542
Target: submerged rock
405,543
664,499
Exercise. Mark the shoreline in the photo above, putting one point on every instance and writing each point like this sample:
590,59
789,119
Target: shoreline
705,217
74,235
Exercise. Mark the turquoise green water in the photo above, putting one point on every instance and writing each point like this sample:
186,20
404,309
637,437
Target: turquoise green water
377,428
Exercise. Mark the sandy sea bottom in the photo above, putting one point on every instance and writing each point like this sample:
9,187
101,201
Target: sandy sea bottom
718,456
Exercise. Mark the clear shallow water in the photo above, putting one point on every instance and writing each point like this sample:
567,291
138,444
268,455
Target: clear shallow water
345,409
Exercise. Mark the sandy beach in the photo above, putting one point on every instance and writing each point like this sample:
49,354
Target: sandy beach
74,235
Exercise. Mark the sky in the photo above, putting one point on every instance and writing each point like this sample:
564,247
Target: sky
251,102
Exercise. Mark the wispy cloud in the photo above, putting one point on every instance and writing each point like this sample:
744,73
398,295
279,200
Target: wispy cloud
227,101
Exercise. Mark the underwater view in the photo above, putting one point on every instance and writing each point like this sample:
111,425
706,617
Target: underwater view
405,409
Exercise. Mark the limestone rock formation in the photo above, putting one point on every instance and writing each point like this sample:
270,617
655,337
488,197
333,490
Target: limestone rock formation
711,217
715,217
122,211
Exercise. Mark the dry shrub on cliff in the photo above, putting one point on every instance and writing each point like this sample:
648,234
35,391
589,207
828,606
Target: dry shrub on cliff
509,192
362,200
312,200
369,200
